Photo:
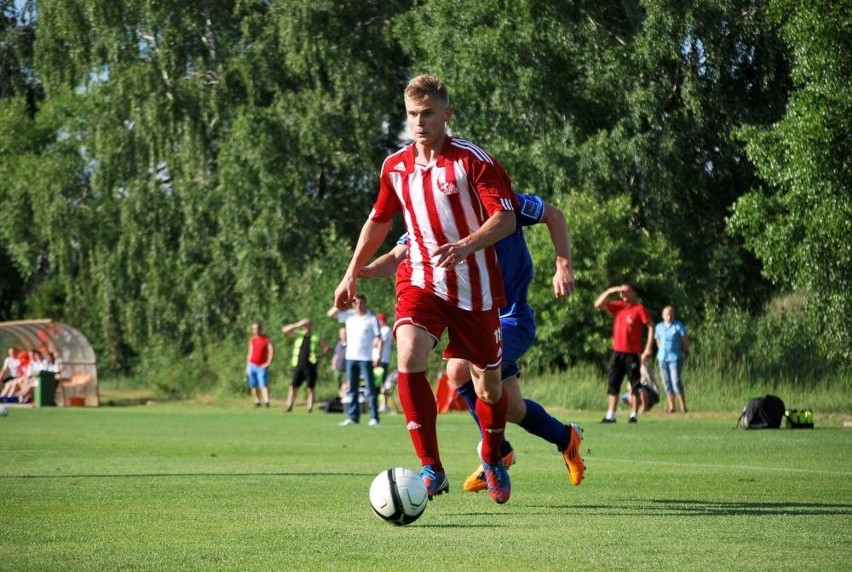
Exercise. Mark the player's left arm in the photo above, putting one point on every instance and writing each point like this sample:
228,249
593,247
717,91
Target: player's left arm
385,265
563,279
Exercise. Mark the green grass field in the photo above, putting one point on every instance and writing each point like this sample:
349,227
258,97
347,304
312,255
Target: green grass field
226,487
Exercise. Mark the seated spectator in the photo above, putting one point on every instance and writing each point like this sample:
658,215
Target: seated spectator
10,366
647,392
387,397
20,389
11,388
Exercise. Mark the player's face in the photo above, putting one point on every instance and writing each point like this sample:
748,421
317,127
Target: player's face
427,120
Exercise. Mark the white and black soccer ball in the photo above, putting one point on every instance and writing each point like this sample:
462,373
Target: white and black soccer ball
398,496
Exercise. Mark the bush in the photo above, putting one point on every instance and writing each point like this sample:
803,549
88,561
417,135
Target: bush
173,376
781,344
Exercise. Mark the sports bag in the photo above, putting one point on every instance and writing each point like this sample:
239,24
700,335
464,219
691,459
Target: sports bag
762,413
799,419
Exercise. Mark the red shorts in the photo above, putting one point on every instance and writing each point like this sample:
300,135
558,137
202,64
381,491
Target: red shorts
473,336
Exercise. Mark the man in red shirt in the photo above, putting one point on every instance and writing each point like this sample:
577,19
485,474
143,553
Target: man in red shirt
629,319
260,353
456,204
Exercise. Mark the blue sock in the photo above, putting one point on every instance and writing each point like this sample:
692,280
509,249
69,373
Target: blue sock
541,424
468,393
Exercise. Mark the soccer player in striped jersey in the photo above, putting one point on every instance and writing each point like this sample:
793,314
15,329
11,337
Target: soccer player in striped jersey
456,204
517,320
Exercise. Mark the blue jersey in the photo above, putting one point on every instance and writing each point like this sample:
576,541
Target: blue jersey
516,264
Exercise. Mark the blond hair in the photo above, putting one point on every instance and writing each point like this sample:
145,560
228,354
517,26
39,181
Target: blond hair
423,86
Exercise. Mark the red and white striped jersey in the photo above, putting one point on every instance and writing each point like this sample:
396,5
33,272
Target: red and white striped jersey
442,203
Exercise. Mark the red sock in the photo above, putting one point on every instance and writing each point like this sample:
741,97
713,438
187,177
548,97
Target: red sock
421,414
492,421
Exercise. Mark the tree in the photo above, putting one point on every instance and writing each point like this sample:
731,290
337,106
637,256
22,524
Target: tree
799,220
613,98
189,154
19,93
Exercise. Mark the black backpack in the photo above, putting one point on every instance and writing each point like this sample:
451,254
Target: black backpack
765,412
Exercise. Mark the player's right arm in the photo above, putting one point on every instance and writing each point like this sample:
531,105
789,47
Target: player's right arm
373,233
492,184
498,226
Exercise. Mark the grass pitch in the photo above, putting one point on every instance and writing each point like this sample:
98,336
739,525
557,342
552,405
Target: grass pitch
227,487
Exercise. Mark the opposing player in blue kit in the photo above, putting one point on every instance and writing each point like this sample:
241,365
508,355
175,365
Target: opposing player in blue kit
518,325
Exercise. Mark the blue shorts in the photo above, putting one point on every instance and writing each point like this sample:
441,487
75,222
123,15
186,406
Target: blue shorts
257,376
518,337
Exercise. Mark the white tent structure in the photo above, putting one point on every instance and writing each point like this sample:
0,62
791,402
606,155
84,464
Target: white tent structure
79,375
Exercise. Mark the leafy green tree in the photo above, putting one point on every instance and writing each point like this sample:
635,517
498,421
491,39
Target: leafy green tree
189,155
19,92
798,222
172,170
615,98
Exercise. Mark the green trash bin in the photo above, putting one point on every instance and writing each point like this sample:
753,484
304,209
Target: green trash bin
45,389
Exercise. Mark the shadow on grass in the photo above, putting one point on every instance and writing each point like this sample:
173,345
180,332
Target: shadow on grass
674,507
127,402
184,475
741,508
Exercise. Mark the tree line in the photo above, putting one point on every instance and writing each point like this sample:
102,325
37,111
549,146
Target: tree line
173,170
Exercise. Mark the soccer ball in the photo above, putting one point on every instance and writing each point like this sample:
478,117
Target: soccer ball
398,496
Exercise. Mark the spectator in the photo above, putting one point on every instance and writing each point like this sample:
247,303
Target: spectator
388,391
362,332
338,362
10,366
11,389
20,389
647,384
629,318
307,350
382,357
672,344
260,354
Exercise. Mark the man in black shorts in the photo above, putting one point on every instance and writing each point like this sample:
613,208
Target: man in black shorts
307,350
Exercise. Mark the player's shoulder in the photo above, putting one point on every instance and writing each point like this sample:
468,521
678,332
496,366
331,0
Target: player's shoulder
466,148
397,161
